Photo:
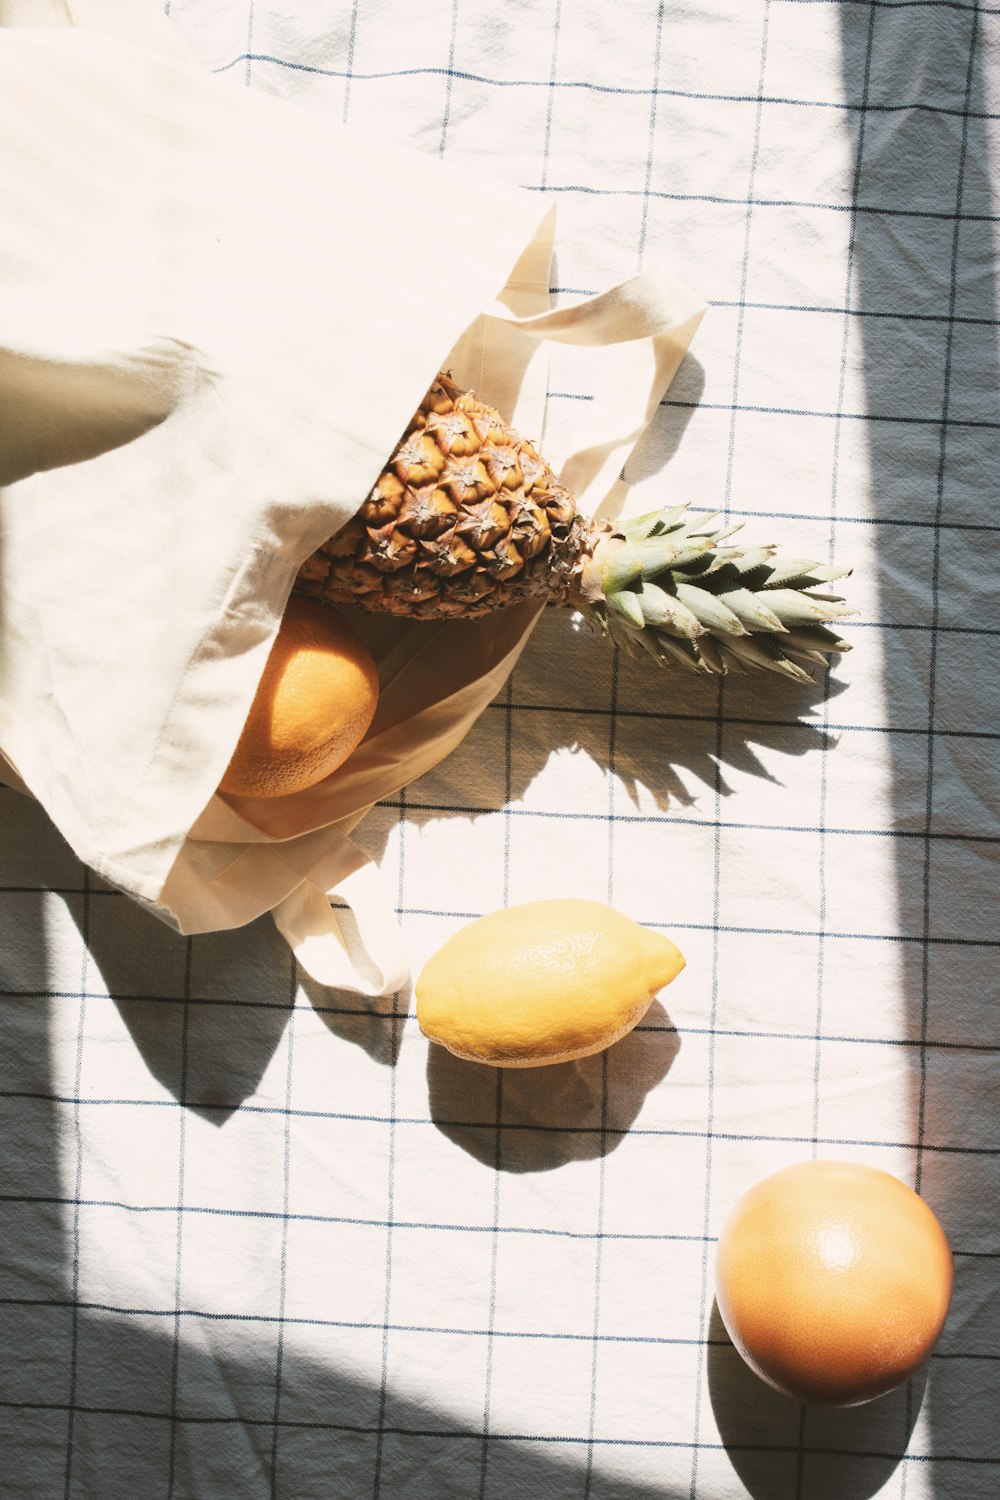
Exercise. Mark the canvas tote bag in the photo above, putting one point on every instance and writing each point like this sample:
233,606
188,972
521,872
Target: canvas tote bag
210,342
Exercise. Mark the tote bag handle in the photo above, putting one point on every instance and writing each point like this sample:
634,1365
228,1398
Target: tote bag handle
643,329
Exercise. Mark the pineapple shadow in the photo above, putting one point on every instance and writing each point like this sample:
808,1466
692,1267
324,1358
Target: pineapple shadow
658,732
539,1119
783,1451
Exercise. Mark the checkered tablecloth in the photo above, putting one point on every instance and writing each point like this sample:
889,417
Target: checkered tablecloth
257,1238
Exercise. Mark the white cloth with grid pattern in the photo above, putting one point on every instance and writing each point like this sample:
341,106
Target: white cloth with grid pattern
259,1239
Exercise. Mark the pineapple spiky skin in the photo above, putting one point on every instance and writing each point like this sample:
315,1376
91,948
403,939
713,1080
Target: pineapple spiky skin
467,517
464,519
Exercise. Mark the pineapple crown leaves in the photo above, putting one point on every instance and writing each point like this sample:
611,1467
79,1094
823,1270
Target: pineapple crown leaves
666,583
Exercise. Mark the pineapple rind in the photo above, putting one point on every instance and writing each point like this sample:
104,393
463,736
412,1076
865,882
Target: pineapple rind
467,517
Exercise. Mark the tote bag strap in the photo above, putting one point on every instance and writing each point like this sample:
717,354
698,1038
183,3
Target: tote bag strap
643,328
340,924
342,927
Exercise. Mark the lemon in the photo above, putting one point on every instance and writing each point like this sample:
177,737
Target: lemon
542,982
834,1281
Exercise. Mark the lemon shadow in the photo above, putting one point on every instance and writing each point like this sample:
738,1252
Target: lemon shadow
539,1119
784,1451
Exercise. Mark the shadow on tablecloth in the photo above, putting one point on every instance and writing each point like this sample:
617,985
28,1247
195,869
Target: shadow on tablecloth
538,1119
850,1455
925,305
96,1401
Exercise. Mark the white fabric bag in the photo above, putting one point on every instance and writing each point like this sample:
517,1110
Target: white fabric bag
212,333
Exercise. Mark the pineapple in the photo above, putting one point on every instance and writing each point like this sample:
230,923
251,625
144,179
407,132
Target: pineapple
466,517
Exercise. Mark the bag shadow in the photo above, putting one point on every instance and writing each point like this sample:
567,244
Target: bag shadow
205,1013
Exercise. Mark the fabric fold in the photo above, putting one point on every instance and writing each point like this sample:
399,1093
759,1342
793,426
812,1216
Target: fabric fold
206,375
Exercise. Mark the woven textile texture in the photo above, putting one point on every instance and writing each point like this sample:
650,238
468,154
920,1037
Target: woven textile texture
258,1239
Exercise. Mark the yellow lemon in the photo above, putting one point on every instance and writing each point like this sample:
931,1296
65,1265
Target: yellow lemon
543,982
834,1281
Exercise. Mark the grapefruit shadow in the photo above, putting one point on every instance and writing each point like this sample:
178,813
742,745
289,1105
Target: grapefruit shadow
782,1450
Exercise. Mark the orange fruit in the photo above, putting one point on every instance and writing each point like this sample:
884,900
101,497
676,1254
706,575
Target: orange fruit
314,702
542,982
834,1281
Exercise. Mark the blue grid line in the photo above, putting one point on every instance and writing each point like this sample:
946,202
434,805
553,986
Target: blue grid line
586,85
670,820
666,820
717,847
449,74
863,314
725,200
248,58
798,308
498,1162
284,1216
654,93
348,74
943,455
390,1227
609,818
383,1396
876,519
415,1225
462,1434
175,1353
353,1221
552,86
363,1325
834,506
442,1330
754,1033
968,6
497,1165
898,418
81,1028
355,1117
596,1337
802,932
